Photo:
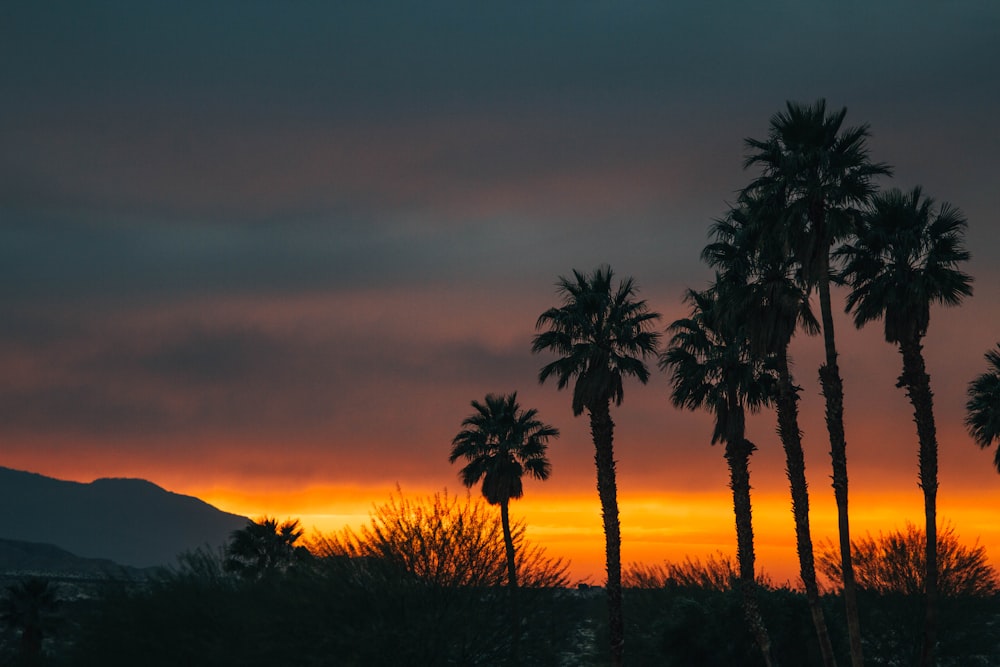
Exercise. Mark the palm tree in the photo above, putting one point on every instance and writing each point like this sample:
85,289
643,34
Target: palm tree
264,548
983,408
772,304
905,258
822,177
602,334
30,606
502,442
712,368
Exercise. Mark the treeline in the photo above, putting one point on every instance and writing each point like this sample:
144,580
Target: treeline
423,583
420,585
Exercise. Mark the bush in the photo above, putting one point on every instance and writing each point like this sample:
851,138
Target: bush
446,541
420,586
895,563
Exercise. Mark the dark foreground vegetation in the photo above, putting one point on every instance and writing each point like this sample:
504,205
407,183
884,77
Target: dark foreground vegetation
407,593
348,613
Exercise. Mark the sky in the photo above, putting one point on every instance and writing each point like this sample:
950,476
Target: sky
267,254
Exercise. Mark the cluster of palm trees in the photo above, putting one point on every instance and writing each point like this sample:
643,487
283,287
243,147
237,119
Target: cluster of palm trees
813,216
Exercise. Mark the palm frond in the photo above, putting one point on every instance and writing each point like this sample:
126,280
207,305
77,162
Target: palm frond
983,406
601,334
500,442
904,259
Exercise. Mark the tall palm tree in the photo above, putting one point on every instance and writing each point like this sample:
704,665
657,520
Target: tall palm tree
822,176
711,367
772,304
502,442
602,334
983,407
905,258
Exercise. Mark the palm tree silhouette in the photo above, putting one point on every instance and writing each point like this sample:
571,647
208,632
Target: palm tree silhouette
602,334
822,177
983,407
711,367
905,258
264,548
30,606
502,442
771,303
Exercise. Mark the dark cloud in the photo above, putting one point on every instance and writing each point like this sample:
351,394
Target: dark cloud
359,55
181,375
156,151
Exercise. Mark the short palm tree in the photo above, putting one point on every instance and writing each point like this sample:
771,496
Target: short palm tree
602,335
502,443
31,607
822,176
711,367
264,548
905,257
772,305
983,408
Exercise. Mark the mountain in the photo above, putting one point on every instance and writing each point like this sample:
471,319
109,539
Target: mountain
21,558
129,521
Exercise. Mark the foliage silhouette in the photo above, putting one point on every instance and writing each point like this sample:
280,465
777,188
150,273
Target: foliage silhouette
446,541
717,573
265,547
342,610
601,334
983,406
766,296
711,367
502,442
895,562
31,608
904,258
691,613
891,572
820,176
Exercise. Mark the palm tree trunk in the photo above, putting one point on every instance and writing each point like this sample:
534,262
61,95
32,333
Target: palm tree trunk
515,615
31,644
918,388
508,542
795,469
602,431
833,392
738,458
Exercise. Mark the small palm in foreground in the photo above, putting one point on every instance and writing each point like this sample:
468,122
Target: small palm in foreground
983,408
264,548
30,607
502,443
602,334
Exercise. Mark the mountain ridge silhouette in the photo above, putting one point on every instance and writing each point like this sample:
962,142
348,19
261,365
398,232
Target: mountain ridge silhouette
129,521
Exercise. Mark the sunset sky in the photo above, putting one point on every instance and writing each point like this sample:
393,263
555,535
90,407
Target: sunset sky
266,254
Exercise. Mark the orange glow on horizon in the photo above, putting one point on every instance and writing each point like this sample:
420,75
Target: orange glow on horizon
655,527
